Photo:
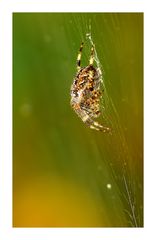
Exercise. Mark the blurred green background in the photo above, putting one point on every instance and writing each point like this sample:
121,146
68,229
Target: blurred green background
65,174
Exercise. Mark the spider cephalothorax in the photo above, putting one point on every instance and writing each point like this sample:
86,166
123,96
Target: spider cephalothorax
86,94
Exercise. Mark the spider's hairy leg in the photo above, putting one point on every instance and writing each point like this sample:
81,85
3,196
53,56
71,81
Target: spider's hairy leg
87,119
93,124
79,57
99,74
99,127
91,74
91,60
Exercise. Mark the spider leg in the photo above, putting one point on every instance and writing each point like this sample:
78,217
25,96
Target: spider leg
99,127
91,60
90,113
79,57
93,124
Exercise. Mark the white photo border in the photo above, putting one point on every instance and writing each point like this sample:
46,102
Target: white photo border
6,10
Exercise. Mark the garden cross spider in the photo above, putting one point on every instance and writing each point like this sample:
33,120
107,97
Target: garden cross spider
86,94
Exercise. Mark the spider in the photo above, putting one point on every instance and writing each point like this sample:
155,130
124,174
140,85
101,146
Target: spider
86,94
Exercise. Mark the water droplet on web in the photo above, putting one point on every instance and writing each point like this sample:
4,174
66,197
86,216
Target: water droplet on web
109,186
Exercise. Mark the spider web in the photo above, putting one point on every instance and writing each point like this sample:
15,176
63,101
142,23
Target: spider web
125,183
107,108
